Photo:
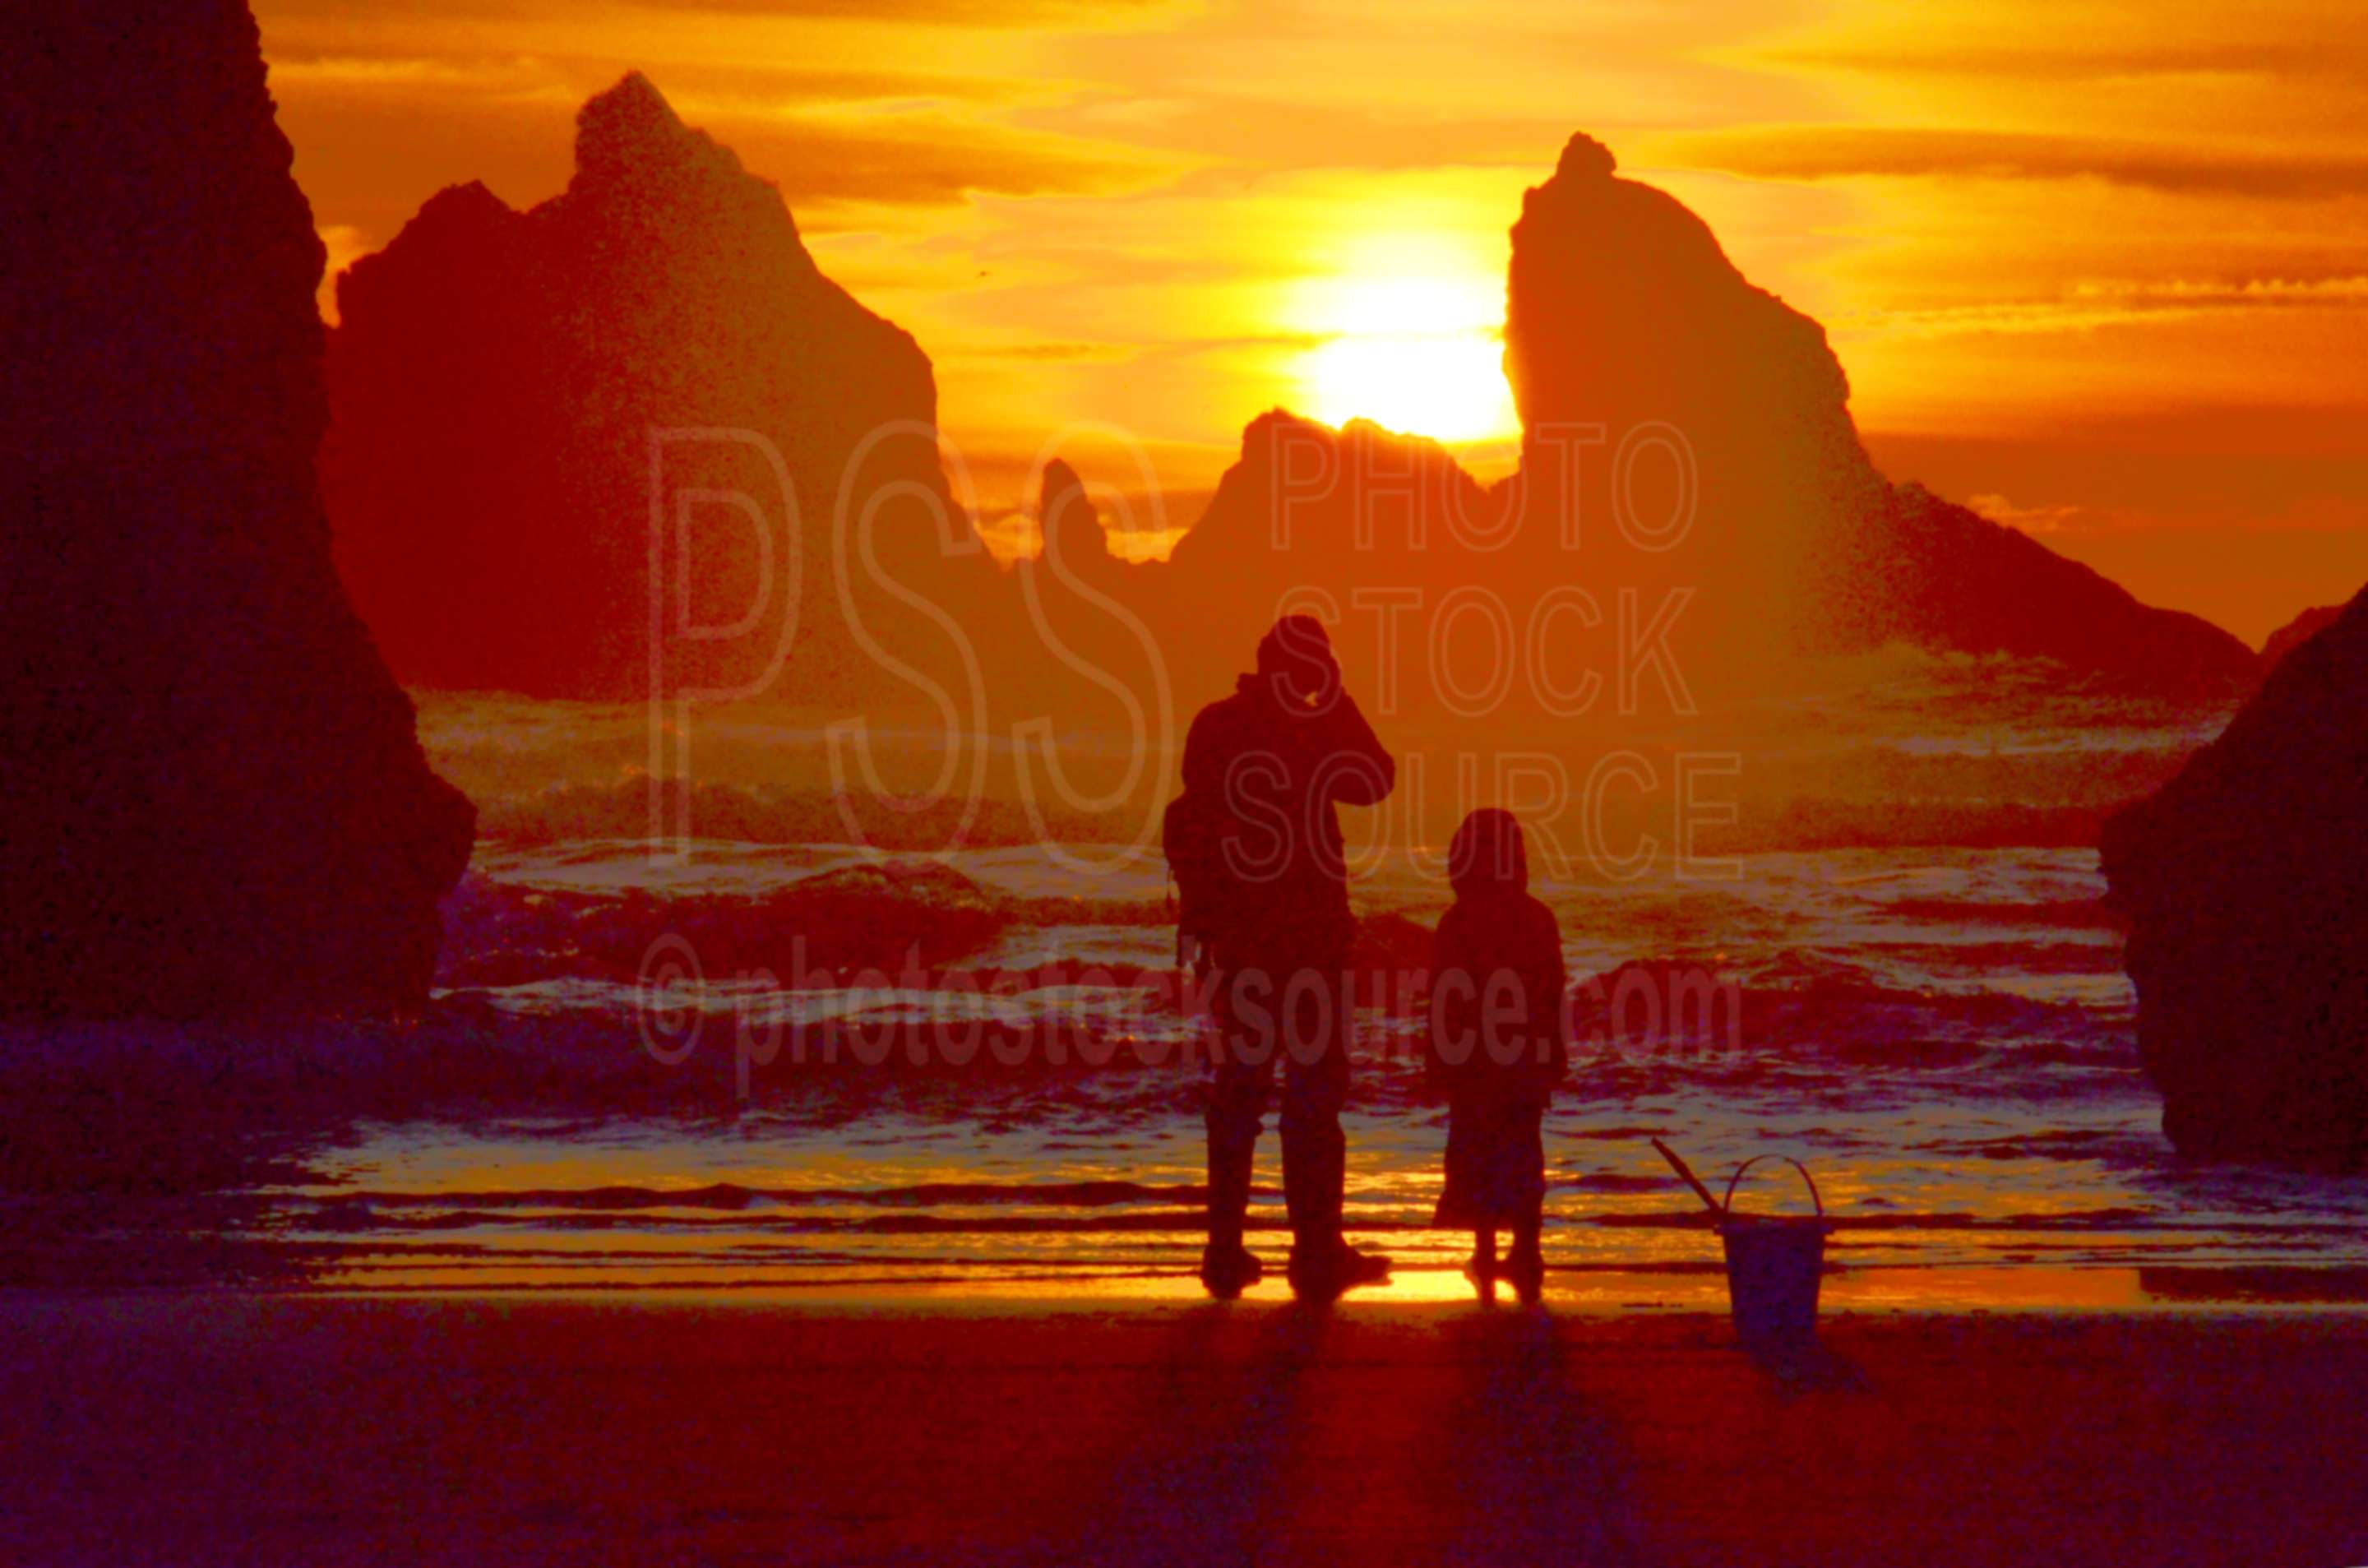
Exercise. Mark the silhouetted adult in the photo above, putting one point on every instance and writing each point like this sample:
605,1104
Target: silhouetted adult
1282,755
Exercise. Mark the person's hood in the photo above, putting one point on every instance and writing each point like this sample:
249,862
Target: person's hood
1489,853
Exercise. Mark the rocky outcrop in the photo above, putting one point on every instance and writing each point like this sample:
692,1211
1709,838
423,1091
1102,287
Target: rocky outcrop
1306,507
1625,320
505,384
212,801
1373,532
1695,427
2245,883
1071,524
2298,631
1689,463
1934,575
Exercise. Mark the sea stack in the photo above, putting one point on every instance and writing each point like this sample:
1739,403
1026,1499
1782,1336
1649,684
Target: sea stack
1309,515
214,802
524,399
1071,524
2245,882
1626,324
1691,485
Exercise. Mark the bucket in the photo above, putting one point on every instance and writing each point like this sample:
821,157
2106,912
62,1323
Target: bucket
1774,1265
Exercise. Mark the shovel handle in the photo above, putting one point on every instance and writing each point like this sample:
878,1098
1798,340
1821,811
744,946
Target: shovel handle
1692,1180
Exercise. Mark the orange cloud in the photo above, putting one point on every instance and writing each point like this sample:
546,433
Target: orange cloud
1826,151
968,13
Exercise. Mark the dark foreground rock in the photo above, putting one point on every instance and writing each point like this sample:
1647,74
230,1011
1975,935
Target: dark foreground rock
2297,632
212,798
2245,881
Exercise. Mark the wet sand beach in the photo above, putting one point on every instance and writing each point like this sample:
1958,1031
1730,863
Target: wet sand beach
912,1427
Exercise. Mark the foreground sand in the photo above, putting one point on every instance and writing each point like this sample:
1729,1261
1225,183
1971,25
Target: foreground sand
311,1430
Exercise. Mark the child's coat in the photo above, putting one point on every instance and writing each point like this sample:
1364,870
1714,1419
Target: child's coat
1499,1027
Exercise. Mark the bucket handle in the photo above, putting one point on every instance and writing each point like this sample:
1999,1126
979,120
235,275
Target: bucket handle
1788,1159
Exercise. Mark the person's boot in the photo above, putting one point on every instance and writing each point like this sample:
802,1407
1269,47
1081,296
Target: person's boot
1481,1269
1322,1272
1525,1266
1227,1271
1228,1266
1322,1265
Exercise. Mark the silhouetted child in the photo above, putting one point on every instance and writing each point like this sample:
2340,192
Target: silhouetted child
1498,1044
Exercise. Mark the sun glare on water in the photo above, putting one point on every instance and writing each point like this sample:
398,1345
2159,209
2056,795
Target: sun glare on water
1417,353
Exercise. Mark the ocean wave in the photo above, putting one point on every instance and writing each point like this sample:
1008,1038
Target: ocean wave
865,915
638,808
1872,799
732,1197
1798,1005
2067,914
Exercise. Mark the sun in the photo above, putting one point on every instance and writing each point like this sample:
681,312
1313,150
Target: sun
1420,354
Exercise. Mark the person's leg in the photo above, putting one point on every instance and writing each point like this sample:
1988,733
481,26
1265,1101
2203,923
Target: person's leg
1526,1247
1239,1086
1236,1114
1316,1016
1484,1261
1527,1264
1314,1152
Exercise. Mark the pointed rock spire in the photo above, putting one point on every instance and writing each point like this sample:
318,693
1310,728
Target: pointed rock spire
629,139
624,126
1583,157
1073,528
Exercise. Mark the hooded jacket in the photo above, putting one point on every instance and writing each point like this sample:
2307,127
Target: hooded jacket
1498,1018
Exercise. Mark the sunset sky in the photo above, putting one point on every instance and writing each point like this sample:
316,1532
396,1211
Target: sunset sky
2099,270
